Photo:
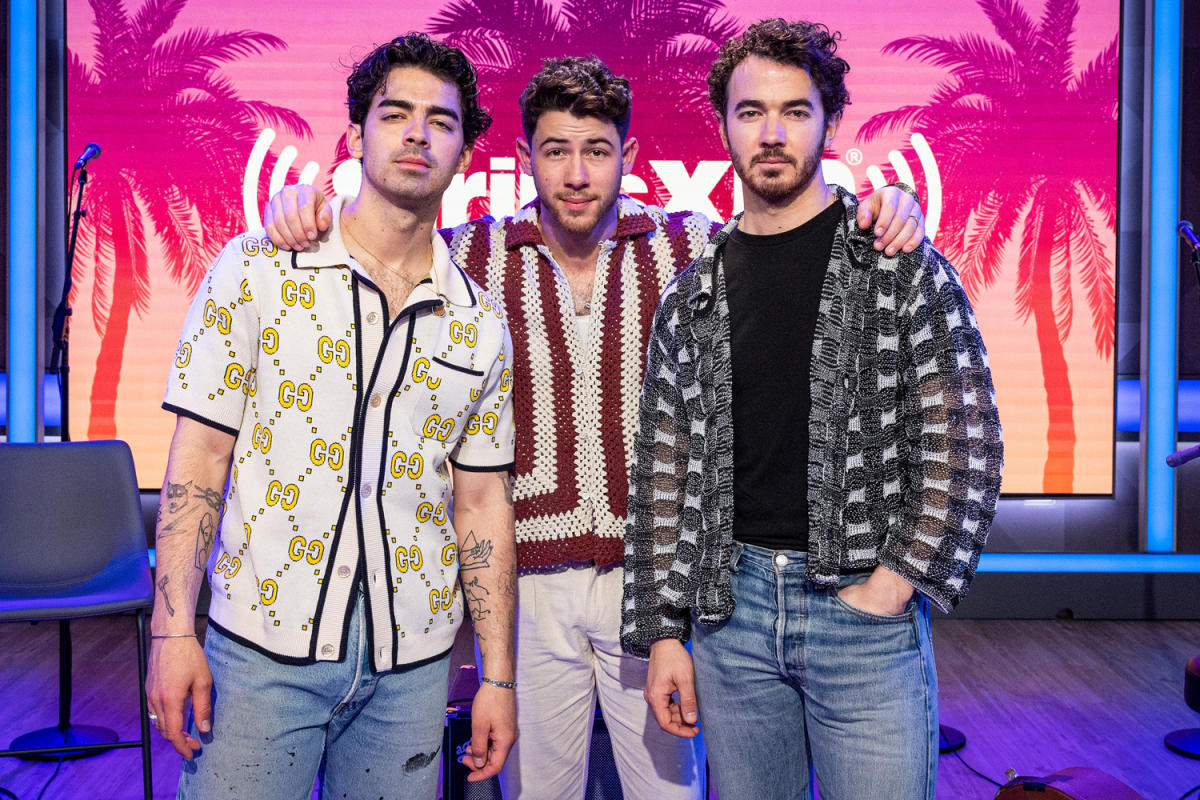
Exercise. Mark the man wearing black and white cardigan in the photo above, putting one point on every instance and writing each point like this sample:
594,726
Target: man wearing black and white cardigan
818,457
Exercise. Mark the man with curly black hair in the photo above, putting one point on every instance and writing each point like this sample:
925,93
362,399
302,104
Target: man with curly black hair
817,459
340,384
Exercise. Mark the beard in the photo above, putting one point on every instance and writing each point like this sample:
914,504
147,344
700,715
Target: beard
778,184
578,223
603,201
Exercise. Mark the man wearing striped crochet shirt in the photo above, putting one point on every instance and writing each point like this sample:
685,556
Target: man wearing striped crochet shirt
579,272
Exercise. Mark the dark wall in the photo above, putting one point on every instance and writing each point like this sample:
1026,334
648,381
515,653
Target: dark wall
1189,192
1188,476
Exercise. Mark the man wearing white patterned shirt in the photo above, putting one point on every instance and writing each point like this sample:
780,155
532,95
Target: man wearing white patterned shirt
340,384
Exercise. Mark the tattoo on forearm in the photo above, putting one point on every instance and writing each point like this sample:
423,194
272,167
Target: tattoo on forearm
178,495
177,498
204,540
162,587
474,554
477,597
169,528
215,500
507,482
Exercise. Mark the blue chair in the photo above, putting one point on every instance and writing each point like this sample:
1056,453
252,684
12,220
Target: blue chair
74,545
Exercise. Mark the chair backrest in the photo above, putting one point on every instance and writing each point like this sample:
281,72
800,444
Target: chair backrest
67,509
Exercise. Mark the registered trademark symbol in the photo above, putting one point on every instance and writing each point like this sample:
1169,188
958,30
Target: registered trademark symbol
854,156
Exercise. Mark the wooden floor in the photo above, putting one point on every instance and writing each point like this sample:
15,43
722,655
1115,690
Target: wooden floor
1040,696
1033,696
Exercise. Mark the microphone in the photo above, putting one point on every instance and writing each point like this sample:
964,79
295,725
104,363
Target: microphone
1189,235
93,151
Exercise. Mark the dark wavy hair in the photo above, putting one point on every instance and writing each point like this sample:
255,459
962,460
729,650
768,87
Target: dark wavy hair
807,45
584,87
418,50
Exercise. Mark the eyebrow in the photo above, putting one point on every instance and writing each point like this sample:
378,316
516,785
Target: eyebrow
406,105
759,105
561,140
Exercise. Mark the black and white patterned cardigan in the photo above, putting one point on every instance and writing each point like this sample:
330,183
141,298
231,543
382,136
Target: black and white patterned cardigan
904,438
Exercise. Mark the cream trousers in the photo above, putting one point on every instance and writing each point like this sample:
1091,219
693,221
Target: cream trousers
568,656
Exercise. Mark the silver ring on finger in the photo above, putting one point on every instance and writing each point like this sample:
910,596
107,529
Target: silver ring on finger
153,717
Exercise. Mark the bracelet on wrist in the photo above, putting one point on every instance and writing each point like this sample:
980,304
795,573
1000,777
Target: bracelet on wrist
499,684
172,636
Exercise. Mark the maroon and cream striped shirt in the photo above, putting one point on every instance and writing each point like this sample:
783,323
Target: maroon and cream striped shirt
576,400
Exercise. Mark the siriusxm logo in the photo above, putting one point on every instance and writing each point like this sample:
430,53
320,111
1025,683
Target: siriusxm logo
506,190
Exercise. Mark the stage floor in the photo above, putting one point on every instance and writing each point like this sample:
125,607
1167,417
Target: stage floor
1035,696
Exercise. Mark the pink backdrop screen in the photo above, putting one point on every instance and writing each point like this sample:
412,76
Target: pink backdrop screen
1007,126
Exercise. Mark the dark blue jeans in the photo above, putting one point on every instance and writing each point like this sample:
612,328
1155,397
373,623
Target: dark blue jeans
799,678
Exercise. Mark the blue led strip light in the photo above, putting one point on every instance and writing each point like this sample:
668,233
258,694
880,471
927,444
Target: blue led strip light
1164,289
22,220
1089,562
1129,411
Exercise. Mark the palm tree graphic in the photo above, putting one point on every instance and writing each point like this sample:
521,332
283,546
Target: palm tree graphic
664,47
1027,148
176,137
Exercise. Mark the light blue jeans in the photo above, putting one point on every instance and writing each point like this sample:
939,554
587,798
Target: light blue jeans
371,735
797,678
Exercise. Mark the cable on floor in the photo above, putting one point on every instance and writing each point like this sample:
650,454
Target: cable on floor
968,766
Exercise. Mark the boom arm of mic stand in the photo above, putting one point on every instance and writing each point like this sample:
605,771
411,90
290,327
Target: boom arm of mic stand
1183,456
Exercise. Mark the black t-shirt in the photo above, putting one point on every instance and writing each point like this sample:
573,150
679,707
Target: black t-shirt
773,284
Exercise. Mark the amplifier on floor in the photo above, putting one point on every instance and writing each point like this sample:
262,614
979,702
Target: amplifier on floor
602,781
1073,783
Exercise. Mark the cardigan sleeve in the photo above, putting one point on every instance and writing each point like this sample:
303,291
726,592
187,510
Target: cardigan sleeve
656,496
953,450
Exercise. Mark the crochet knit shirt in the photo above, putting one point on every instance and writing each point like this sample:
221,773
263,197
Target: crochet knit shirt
576,400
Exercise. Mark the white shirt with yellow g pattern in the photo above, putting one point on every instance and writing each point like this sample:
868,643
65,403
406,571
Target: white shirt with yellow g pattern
344,425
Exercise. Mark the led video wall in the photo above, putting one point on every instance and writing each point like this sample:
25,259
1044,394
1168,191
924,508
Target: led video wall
1004,116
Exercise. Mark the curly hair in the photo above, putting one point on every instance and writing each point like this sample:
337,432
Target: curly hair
584,87
807,45
418,50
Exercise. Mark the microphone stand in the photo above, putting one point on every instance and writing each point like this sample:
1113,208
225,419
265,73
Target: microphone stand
60,333
1196,264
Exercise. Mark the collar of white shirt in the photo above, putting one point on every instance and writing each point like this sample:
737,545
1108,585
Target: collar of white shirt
332,252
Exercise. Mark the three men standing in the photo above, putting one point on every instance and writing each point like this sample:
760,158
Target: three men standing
579,272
